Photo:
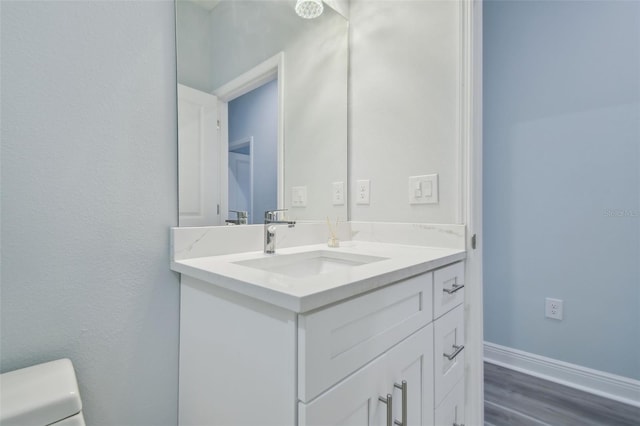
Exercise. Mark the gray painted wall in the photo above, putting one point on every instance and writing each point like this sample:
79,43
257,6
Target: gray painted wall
562,160
194,46
256,114
89,191
404,88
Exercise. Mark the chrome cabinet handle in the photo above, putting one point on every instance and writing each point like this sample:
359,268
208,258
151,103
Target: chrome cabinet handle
453,289
403,388
458,424
457,350
389,401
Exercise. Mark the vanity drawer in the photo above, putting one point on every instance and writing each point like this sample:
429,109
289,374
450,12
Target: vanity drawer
448,346
448,288
450,412
336,341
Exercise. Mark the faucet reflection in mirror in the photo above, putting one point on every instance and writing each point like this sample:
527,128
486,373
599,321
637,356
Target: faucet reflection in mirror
241,217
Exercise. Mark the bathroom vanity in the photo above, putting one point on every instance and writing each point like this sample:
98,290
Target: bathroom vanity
366,334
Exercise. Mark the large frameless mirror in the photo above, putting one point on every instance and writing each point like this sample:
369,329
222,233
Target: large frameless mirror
262,111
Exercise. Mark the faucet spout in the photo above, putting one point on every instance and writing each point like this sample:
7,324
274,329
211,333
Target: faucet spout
270,220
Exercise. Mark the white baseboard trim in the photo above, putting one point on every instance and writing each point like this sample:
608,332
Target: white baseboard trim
611,386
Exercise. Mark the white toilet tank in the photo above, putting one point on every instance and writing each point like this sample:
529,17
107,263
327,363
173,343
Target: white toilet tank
44,394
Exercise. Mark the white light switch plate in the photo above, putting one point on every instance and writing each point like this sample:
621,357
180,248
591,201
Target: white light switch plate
362,191
423,189
299,196
337,193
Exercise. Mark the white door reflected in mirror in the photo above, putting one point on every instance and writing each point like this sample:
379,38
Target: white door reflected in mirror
198,158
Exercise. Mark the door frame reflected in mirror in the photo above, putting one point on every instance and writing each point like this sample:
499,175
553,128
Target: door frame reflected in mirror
243,152
268,70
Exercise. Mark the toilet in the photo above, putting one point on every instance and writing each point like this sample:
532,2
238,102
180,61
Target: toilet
44,394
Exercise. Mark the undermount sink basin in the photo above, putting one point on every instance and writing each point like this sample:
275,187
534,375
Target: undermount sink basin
309,263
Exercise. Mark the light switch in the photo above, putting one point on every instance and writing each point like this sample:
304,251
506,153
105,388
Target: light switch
299,196
427,189
417,189
423,189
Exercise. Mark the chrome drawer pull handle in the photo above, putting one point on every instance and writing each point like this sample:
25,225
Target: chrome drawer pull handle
453,289
402,387
458,424
457,350
389,401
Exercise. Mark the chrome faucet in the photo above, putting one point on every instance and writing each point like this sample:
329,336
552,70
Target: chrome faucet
270,222
242,217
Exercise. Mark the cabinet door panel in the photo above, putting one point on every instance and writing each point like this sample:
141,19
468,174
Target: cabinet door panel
412,361
448,339
451,410
352,402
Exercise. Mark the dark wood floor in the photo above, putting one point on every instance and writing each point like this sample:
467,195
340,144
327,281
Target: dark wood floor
516,399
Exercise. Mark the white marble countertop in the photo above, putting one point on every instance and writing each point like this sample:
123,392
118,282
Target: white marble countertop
302,294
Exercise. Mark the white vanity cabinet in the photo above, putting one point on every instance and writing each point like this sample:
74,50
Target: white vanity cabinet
246,362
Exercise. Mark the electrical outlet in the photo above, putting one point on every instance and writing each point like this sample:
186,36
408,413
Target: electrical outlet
553,308
299,196
362,191
338,193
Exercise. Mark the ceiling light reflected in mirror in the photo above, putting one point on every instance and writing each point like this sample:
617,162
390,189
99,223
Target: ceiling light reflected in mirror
309,9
